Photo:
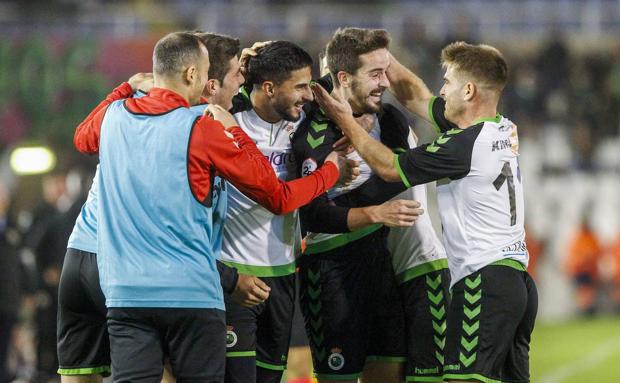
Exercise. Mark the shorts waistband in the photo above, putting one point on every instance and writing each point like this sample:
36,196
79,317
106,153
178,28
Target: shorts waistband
510,263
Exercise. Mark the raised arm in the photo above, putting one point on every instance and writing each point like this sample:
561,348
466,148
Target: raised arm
86,137
409,89
236,158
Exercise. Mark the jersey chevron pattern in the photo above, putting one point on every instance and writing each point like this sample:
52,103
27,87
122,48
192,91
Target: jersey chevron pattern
479,190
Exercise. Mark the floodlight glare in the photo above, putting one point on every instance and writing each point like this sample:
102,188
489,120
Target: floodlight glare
32,160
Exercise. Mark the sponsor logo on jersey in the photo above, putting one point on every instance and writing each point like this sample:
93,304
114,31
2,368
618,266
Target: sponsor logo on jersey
517,247
279,159
308,166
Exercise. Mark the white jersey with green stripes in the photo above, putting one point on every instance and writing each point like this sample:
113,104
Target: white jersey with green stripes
416,250
256,241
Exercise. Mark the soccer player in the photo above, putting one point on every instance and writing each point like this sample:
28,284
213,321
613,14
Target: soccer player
349,296
419,261
83,345
157,208
494,300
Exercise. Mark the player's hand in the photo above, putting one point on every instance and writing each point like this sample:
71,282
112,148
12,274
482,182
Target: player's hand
246,53
397,213
333,158
349,170
336,108
222,115
250,291
141,81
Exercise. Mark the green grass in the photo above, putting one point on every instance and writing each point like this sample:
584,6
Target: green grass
576,351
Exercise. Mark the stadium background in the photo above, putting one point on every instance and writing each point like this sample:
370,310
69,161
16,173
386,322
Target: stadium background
59,58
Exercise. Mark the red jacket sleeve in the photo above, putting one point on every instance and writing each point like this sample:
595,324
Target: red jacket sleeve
237,159
86,138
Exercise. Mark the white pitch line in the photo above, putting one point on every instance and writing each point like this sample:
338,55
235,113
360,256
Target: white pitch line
602,352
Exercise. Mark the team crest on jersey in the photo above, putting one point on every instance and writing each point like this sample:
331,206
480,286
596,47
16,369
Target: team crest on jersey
231,337
335,361
514,140
308,166
289,128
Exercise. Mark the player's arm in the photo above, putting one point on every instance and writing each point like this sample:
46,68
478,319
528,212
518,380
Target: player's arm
86,137
409,89
235,157
449,156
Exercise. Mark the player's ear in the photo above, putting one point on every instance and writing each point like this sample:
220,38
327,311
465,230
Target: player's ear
190,74
268,88
469,91
344,79
212,87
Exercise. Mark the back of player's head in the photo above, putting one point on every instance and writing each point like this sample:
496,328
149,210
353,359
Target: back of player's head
222,49
482,63
276,61
175,52
348,44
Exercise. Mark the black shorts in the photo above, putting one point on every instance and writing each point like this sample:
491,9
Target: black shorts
490,322
352,308
263,332
82,334
426,301
192,338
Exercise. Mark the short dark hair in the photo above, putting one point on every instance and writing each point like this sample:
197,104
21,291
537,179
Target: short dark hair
484,63
276,61
221,49
176,51
348,44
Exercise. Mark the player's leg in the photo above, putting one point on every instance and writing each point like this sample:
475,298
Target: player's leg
425,300
241,341
387,347
273,334
486,310
299,367
334,298
82,336
196,342
516,368
136,349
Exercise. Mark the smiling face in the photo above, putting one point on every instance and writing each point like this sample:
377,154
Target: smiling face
290,95
229,87
453,92
369,82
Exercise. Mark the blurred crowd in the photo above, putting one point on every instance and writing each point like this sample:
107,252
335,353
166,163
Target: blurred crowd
565,102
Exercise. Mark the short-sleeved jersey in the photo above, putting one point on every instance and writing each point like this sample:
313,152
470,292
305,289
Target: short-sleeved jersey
256,241
479,190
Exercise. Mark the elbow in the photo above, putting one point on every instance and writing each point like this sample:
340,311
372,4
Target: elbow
389,174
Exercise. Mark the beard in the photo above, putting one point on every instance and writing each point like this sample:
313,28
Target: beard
286,111
363,100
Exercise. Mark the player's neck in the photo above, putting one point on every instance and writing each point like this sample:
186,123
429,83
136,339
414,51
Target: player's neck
262,107
174,86
476,113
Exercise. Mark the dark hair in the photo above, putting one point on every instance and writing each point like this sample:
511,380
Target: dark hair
276,61
484,63
221,49
348,44
176,51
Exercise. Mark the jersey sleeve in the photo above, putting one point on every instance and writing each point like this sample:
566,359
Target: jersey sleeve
86,137
236,158
449,156
436,113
